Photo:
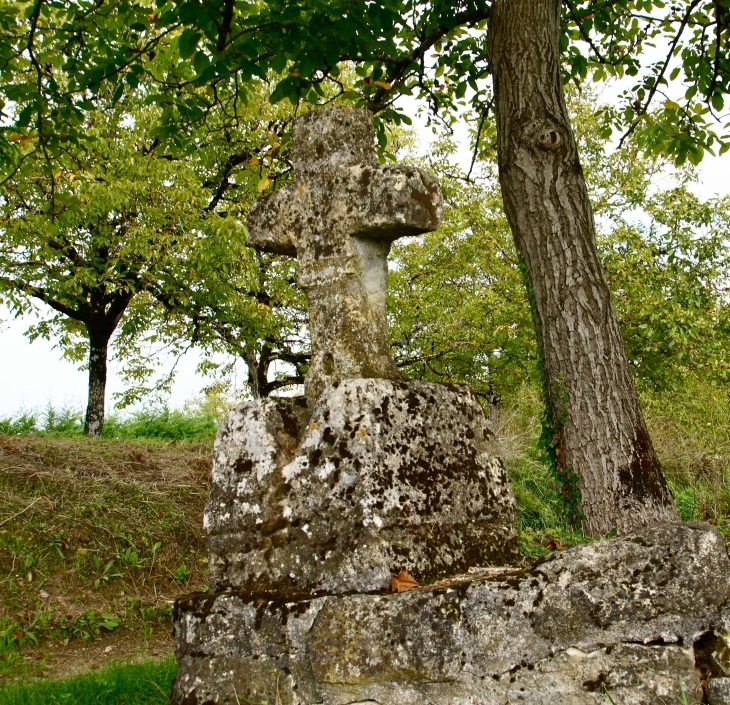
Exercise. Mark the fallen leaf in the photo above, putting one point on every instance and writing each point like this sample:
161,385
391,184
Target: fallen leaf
554,545
48,503
403,582
263,184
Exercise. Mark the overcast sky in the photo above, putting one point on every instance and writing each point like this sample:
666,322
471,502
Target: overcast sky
33,375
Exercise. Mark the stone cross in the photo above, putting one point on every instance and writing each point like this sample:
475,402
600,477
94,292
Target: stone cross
339,218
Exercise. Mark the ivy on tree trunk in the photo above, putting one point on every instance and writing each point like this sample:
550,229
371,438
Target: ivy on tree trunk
597,430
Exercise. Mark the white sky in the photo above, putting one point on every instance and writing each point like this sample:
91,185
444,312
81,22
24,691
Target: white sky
34,375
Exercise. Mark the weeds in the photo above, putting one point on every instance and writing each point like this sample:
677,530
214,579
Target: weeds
159,423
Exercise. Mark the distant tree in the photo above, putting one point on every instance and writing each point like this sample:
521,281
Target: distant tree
117,236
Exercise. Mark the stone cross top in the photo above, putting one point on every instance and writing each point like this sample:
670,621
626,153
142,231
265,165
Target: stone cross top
339,218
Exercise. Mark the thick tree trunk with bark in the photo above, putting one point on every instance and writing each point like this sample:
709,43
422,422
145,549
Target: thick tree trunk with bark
98,352
598,430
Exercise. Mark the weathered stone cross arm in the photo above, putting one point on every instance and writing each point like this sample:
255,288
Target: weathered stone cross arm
372,201
339,218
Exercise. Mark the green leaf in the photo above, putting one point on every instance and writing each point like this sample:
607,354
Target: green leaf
200,62
286,88
188,42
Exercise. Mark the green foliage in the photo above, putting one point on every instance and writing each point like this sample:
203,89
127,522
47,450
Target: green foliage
164,424
455,297
669,280
122,684
58,57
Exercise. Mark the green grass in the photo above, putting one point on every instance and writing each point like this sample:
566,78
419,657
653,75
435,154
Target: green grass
117,684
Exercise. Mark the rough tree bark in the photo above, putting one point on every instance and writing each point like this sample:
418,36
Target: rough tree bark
98,352
597,427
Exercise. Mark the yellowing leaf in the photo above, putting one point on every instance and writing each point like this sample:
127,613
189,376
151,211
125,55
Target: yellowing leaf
383,84
22,140
253,162
263,184
671,105
58,174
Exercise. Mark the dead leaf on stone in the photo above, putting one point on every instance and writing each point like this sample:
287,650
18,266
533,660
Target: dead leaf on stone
554,545
361,433
403,582
313,427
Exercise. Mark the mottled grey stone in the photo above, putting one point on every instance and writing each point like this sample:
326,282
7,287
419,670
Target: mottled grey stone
620,615
339,217
382,476
718,691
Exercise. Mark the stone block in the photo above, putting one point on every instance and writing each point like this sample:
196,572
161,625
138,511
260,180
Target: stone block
718,691
383,476
618,616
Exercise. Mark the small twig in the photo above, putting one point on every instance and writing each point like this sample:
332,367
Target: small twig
17,514
160,689
235,693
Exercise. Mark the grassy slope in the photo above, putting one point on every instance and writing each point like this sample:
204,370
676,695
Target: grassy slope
97,539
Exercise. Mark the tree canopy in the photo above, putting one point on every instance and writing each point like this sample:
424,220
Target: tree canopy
55,56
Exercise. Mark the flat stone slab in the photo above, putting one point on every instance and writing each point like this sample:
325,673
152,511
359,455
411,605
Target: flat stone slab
384,475
618,616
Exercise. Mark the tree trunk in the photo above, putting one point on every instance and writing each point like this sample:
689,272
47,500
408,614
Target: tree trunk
258,372
597,427
98,350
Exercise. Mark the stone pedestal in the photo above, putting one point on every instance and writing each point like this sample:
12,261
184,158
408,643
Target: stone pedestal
382,476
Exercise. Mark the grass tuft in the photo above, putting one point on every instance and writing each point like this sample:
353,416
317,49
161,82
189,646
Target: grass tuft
116,684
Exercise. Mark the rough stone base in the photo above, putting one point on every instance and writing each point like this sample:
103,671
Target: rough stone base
381,476
628,616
